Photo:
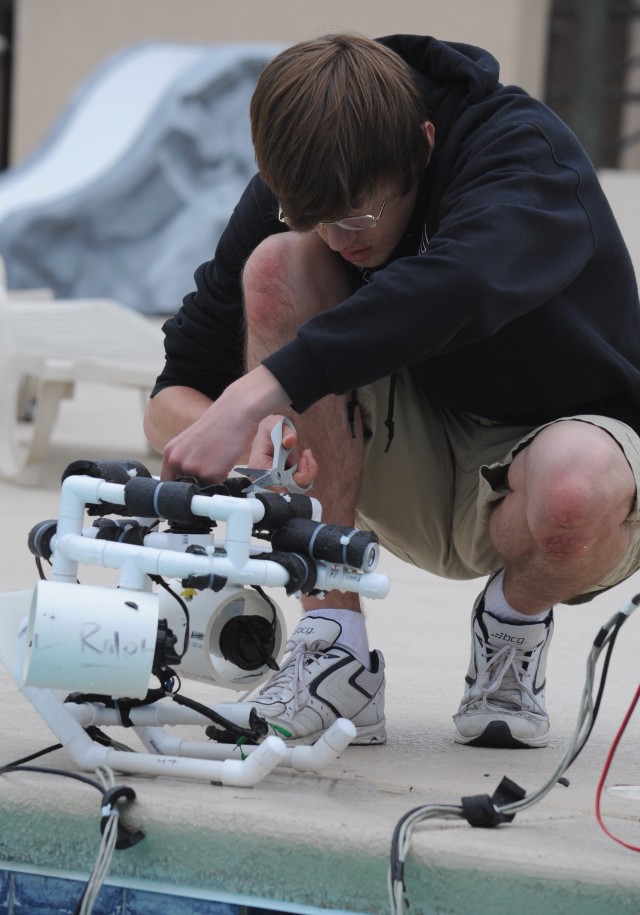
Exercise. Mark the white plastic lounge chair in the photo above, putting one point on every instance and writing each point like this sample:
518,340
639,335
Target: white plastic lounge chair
49,345
142,170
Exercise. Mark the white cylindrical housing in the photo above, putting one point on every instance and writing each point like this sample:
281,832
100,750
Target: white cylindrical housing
91,639
209,613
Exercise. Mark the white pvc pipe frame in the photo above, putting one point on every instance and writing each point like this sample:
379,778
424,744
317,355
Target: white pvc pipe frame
177,758
168,755
70,547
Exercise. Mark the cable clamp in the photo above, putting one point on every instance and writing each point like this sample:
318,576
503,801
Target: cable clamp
484,811
126,837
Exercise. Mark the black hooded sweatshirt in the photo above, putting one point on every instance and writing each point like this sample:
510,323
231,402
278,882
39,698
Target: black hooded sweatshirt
511,296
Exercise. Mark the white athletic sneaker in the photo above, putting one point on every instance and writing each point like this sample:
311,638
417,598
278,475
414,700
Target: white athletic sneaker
316,684
503,704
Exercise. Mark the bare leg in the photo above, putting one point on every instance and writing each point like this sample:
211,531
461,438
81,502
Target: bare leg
287,280
561,527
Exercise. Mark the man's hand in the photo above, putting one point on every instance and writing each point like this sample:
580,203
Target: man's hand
209,449
221,437
171,411
261,455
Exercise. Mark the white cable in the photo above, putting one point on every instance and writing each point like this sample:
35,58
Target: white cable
583,725
107,847
398,899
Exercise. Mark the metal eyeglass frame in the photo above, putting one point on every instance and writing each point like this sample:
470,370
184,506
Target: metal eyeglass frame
346,222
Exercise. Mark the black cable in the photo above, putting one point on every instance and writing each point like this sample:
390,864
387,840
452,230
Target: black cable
25,759
183,606
257,730
43,577
47,771
603,679
126,838
502,809
271,662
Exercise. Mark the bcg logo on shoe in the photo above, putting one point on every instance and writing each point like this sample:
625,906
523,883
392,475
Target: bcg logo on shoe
507,638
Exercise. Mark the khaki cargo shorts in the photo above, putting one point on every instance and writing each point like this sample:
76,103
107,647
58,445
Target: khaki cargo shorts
429,497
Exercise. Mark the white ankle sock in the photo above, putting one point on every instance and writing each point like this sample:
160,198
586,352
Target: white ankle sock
496,603
353,637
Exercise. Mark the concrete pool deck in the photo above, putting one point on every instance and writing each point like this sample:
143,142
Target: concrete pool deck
322,840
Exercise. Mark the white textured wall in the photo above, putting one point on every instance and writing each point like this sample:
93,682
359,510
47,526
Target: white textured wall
58,43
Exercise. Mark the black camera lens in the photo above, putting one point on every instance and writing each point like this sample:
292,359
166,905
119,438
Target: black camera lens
248,641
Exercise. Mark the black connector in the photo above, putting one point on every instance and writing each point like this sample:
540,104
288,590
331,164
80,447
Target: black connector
40,538
484,811
127,838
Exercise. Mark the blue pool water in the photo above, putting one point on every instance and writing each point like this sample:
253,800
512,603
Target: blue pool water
26,893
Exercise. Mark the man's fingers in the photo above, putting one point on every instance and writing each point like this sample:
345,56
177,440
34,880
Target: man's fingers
307,468
289,437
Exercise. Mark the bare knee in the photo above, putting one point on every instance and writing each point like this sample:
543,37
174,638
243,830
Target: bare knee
563,519
267,267
288,279
267,291
579,488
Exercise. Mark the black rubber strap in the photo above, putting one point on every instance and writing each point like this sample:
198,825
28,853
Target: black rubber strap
484,811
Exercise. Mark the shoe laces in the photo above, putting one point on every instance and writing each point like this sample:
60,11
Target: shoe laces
291,674
502,683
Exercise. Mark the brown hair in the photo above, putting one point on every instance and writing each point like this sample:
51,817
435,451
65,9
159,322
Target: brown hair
335,121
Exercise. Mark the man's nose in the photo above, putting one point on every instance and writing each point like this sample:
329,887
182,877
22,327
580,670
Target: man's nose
338,239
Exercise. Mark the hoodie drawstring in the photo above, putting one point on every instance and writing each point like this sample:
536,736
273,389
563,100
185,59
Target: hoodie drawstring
351,412
390,406
389,423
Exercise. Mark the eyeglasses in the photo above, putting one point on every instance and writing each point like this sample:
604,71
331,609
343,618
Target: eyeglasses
353,223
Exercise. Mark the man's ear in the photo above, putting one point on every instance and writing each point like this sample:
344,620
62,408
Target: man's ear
429,131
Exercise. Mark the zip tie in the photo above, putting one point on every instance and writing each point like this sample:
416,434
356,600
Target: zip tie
126,838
